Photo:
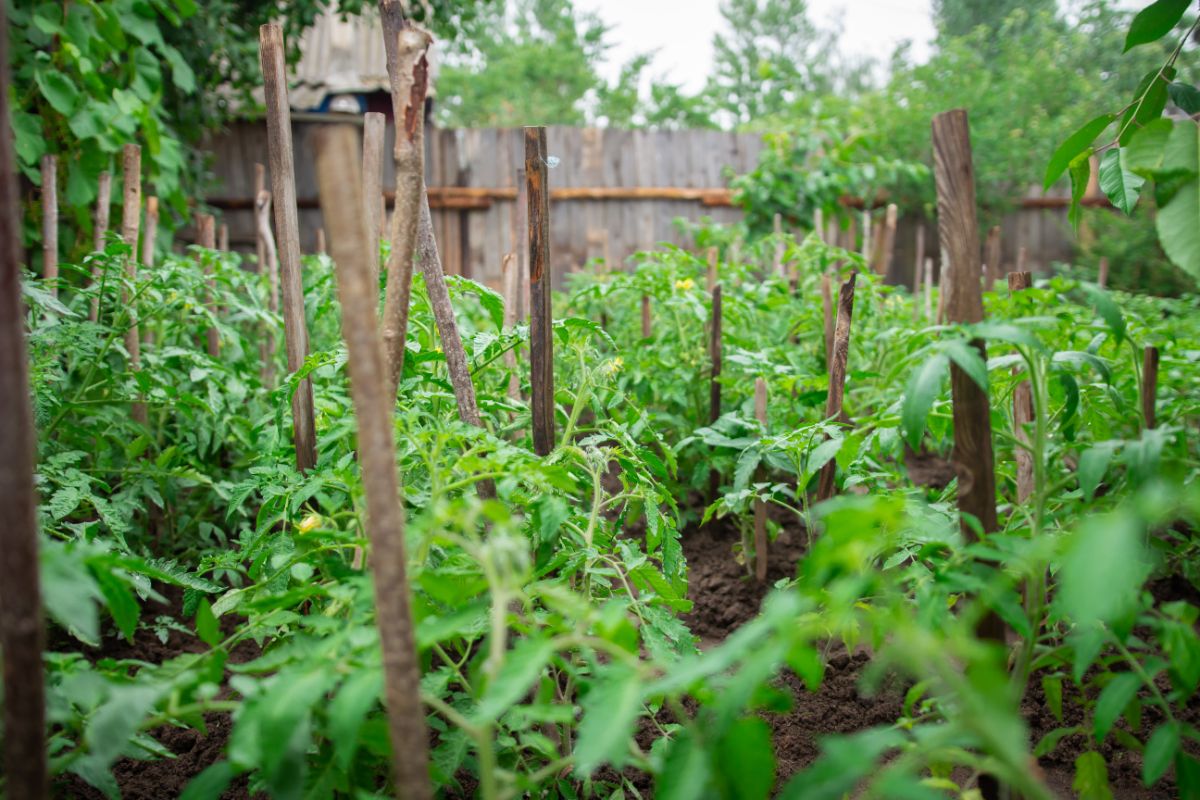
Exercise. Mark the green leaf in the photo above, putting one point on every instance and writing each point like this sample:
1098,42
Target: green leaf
746,760
922,387
686,771
1102,570
207,627
1160,752
522,666
121,603
28,138
1108,310
1185,96
1093,464
211,783
1076,143
1091,777
69,591
1178,225
610,712
118,719
58,90
1152,99
348,711
1081,174
1144,153
1154,22
1119,184
1052,688
181,72
1112,701
967,358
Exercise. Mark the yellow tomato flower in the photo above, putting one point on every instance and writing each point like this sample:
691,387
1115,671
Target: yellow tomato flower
687,284
309,523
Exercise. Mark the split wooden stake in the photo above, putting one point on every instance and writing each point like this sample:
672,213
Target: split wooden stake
991,264
131,210
541,342
713,262
760,506
1102,278
522,223
99,231
268,262
260,186
339,180
508,282
22,630
321,248
150,233
714,394
827,311
287,227
1022,408
408,71
866,236
1150,387
206,227
1022,259
372,172
837,377
647,329
958,232
887,243
50,223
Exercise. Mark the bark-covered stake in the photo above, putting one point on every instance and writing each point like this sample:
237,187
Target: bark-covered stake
647,320
287,226
837,376
959,236
541,335
131,209
408,71
1150,387
99,232
22,632
760,506
1022,408
372,172
206,230
340,186
713,261
714,391
50,223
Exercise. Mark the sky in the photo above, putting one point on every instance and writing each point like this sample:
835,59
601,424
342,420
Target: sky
682,31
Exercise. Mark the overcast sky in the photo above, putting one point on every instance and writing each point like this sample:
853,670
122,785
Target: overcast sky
682,30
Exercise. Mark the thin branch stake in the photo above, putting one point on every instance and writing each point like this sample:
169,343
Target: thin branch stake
50,223
837,377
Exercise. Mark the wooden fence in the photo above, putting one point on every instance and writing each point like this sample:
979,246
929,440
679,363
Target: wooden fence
614,193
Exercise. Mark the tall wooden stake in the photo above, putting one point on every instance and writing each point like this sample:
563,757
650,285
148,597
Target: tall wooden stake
1102,278
713,261
714,386
929,289
131,209
321,248
1150,387
268,263
1022,408
150,233
22,631
887,241
959,235
50,223
206,226
372,172
991,264
338,176
522,223
827,313
260,186
837,376
508,278
287,227
103,210
647,327
919,261
541,342
760,506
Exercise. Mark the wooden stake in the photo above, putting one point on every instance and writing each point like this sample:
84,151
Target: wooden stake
837,377
150,234
508,282
522,223
866,236
919,261
991,262
342,208
1022,408
827,311
268,261
541,360
408,71
944,278
50,223
887,244
205,227
647,329
287,226
22,630
131,210
929,290
223,238
959,236
1102,278
714,395
760,506
99,231
713,261
372,172
321,248
1150,387
1022,259
260,186
779,248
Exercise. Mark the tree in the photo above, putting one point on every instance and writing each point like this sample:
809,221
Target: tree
961,17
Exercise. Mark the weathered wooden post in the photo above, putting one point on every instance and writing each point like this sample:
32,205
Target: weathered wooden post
1150,387
714,386
837,377
522,223
959,235
206,234
150,232
827,313
287,226
50,223
991,264
760,506
647,328
372,173
1102,278
887,241
321,247
103,210
22,630
223,237
1022,408
338,176
929,289
131,209
541,342
713,263
919,261
508,278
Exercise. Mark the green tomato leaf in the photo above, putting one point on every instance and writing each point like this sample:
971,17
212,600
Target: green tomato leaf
58,90
1160,752
686,771
1119,184
211,783
522,666
610,712
966,357
207,627
1112,701
923,386
121,603
1154,22
746,760
1091,777
348,711
1076,143
1102,569
1052,688
1093,464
